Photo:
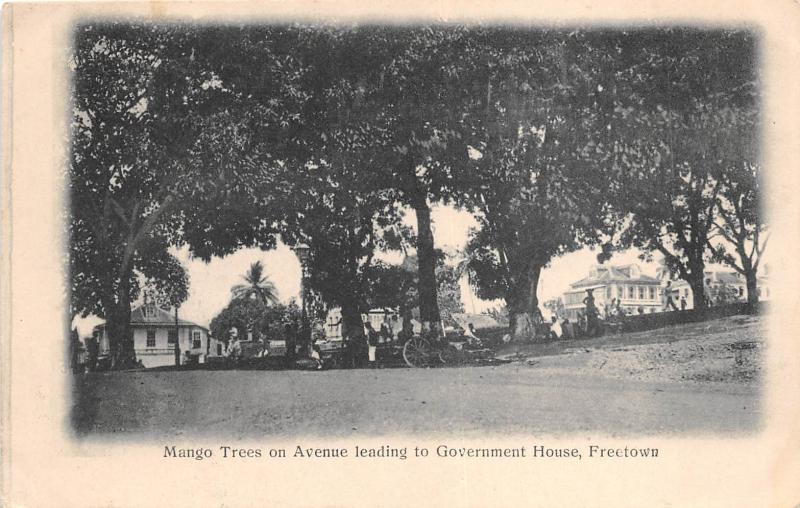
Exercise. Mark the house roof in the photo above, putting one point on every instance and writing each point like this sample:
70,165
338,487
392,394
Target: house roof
160,318
610,274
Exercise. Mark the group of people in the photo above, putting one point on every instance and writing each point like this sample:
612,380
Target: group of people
588,321
362,349
295,348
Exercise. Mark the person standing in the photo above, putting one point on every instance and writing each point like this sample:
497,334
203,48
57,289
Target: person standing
591,313
668,303
234,348
386,331
555,328
372,344
683,303
396,328
568,332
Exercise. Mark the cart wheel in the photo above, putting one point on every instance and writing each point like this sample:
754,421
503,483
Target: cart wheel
416,352
448,355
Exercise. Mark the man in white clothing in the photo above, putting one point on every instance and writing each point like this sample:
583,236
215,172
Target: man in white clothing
555,328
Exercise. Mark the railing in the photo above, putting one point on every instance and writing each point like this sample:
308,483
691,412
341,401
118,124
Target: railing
155,351
661,319
168,350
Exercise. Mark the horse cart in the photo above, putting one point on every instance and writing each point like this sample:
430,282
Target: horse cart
428,352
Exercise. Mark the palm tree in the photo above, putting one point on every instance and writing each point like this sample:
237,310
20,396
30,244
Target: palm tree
256,284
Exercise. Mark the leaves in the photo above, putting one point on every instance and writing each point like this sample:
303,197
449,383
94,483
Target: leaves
256,286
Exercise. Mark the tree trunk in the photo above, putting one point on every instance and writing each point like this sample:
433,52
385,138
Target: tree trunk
426,259
523,305
751,279
698,286
177,350
533,285
521,325
353,332
352,326
118,325
120,339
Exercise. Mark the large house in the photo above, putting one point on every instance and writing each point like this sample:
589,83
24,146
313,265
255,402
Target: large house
626,283
155,335
733,283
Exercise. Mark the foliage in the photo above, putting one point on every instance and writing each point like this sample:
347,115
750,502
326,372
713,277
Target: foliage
161,153
393,286
740,220
396,287
448,291
676,139
224,137
129,132
249,315
256,285
534,189
723,293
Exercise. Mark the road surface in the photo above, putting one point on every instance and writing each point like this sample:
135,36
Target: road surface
467,401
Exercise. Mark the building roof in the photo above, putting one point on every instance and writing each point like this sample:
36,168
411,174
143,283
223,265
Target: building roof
609,274
161,318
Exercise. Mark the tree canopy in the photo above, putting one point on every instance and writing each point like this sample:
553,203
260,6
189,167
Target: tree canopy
219,138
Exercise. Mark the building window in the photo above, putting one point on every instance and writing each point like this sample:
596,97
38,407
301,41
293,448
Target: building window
631,292
172,336
741,291
641,293
219,349
149,310
196,343
151,337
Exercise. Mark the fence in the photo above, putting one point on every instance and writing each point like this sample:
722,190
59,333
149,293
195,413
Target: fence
661,319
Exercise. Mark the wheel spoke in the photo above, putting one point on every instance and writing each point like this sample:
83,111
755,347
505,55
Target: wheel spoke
415,353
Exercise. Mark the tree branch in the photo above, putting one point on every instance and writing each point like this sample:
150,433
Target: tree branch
135,236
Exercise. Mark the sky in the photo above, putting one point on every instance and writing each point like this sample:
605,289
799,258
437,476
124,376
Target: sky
210,283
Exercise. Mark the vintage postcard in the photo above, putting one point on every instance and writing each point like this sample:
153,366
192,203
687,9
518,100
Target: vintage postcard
456,254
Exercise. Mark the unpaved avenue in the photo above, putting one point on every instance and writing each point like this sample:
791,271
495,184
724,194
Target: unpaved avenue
552,397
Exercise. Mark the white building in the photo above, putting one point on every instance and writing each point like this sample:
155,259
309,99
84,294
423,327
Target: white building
154,338
715,281
376,317
626,283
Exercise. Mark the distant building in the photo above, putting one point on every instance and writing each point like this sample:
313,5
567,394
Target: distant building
154,338
716,281
626,283
333,321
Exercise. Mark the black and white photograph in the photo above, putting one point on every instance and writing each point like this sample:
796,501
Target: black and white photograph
335,254
368,228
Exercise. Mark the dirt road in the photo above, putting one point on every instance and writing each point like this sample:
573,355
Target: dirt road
619,390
